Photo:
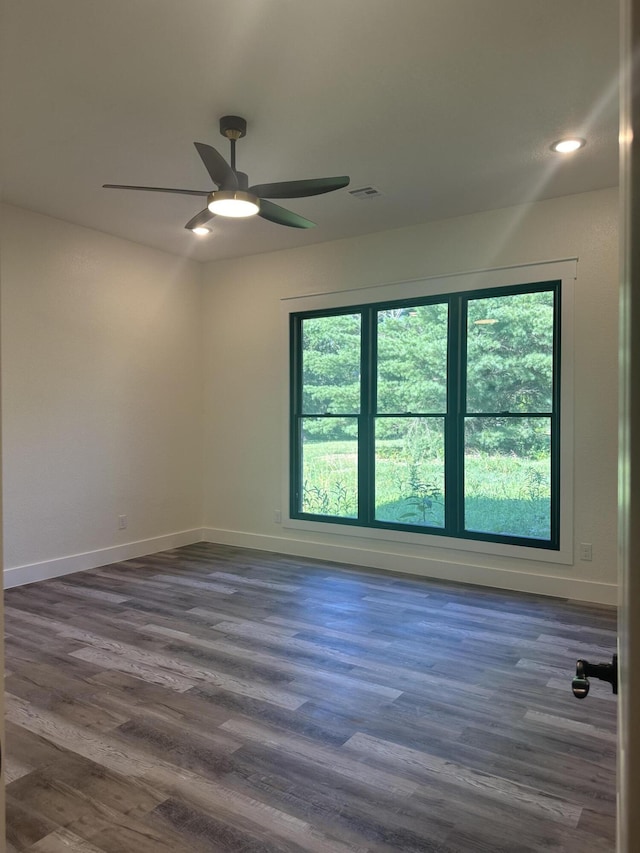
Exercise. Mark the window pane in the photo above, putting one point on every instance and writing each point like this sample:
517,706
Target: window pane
409,474
510,353
412,359
507,476
330,467
331,364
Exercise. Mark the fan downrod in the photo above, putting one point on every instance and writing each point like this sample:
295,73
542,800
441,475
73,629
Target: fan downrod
233,127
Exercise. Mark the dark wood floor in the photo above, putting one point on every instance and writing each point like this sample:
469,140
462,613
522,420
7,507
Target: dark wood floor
216,699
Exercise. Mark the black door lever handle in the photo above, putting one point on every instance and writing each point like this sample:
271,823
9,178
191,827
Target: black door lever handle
604,671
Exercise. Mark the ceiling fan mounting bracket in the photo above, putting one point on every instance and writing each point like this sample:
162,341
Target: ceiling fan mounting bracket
233,127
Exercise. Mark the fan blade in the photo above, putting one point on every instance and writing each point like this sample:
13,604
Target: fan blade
155,189
299,189
275,213
200,219
221,172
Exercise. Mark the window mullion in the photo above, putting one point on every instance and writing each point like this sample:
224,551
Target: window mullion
366,420
555,420
454,436
295,367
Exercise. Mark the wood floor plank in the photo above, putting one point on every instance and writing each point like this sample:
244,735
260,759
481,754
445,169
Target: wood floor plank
64,841
25,824
416,762
212,699
327,758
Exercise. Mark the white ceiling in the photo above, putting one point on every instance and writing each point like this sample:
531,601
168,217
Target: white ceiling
446,106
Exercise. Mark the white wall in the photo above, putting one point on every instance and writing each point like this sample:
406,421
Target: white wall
101,397
107,347
244,347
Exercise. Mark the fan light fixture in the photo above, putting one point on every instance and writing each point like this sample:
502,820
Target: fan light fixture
567,146
234,203
201,231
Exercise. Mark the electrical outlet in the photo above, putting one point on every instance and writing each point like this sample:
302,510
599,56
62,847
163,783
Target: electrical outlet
586,551
122,522
277,516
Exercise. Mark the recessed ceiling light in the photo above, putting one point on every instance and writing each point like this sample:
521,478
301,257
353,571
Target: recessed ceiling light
566,146
486,322
201,231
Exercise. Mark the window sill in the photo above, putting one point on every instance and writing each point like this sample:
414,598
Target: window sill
446,543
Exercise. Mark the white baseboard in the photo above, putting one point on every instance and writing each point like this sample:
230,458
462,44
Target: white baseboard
519,581
20,575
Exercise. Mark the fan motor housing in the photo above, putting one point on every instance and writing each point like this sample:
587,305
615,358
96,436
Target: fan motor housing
233,127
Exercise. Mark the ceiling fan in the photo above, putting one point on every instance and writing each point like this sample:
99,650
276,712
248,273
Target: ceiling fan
234,197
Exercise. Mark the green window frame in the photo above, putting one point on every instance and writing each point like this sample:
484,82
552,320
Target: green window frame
464,414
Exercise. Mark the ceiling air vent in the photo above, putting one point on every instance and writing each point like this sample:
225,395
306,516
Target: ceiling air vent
366,192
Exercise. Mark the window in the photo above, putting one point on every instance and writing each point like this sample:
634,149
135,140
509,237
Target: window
437,415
